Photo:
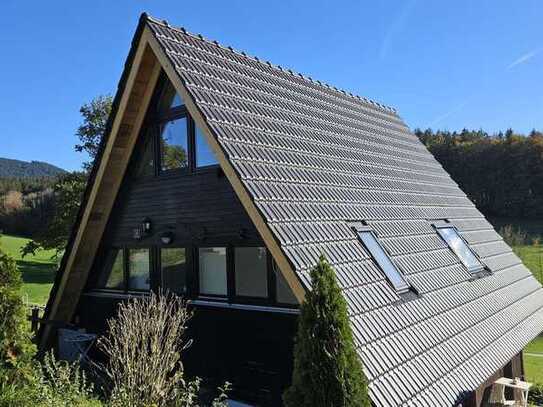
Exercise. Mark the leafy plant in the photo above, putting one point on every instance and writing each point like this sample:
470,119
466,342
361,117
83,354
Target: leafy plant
327,369
535,396
16,348
52,384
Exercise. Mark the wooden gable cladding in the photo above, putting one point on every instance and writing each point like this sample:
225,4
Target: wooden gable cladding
142,78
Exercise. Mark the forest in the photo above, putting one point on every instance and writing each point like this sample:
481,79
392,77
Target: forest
501,173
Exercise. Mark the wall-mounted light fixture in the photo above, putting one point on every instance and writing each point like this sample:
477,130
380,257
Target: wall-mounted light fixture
166,237
146,225
143,229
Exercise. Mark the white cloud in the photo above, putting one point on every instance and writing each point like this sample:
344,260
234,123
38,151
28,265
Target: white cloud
525,58
442,117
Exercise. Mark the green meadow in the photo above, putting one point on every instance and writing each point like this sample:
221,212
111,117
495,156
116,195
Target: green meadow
38,271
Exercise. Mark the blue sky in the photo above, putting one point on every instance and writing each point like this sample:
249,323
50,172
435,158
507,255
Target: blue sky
443,65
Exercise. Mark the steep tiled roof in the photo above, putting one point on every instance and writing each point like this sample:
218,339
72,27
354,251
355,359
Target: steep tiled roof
314,158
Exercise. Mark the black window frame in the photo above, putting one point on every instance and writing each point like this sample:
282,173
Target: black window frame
232,298
126,270
152,127
193,275
159,272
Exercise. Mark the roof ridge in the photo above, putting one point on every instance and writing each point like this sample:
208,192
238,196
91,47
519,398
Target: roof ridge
307,78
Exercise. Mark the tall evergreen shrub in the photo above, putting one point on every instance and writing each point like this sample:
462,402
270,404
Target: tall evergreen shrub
327,369
16,348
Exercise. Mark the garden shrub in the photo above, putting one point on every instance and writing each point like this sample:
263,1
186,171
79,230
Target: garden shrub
16,348
535,396
143,350
327,369
52,384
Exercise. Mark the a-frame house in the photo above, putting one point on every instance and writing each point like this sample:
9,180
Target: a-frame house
223,178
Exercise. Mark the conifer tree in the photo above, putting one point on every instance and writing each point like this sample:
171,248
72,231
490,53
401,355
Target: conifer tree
327,369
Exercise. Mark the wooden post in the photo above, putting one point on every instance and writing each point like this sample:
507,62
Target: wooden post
34,318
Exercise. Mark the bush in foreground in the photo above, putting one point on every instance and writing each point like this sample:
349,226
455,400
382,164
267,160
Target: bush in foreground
535,396
143,349
327,369
16,348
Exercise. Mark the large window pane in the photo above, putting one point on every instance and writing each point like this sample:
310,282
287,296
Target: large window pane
212,270
383,261
460,248
138,269
173,145
204,155
113,272
169,99
251,271
283,292
174,269
146,164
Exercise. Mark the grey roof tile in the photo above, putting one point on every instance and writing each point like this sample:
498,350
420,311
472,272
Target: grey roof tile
313,159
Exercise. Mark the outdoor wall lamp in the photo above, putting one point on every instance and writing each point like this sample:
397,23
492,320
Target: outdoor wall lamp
166,237
146,225
143,229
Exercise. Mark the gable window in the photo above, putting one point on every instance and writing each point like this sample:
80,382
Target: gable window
376,250
169,99
204,155
170,140
146,159
174,145
459,247
212,271
173,265
250,269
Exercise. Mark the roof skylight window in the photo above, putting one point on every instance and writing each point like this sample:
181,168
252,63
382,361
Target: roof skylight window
459,247
372,245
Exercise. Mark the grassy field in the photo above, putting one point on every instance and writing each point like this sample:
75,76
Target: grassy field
533,360
532,256
38,271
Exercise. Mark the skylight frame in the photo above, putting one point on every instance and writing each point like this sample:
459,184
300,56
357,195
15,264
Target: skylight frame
378,253
439,227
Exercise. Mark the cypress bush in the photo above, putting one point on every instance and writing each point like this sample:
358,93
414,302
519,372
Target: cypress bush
327,369
16,348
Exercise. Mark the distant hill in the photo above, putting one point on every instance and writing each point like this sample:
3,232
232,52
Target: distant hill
21,169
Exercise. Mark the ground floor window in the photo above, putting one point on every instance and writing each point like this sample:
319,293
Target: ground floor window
212,271
139,273
173,266
113,275
233,274
251,271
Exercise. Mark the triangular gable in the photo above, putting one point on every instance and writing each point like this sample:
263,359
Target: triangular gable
306,160
145,62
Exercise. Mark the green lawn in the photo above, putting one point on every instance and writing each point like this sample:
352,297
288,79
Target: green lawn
38,271
534,364
532,256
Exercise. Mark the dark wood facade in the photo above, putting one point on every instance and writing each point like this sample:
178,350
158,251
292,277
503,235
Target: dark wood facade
246,342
